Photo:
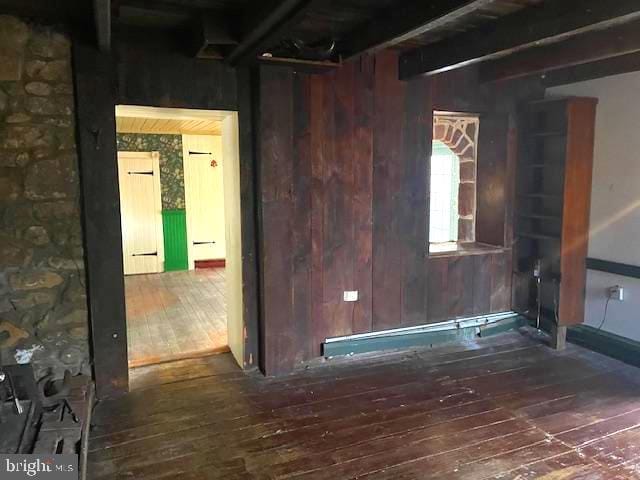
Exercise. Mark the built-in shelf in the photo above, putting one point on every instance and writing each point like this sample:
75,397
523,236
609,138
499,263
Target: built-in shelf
538,236
548,128
551,133
544,165
536,216
540,195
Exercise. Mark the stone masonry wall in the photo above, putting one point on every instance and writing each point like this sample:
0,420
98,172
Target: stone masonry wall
43,307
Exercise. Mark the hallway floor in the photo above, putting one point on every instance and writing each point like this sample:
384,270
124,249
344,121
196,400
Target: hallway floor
504,407
175,315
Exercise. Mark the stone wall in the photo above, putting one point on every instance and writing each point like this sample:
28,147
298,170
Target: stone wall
171,166
43,308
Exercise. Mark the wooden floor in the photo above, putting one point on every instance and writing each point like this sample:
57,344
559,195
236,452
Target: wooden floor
507,407
175,315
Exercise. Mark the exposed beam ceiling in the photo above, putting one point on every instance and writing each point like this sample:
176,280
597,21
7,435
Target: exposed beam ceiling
102,18
591,47
535,26
401,24
266,28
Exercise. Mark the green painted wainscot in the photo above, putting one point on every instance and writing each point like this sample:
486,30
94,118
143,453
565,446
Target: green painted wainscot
174,224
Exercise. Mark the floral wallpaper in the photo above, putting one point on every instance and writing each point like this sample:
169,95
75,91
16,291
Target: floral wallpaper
171,169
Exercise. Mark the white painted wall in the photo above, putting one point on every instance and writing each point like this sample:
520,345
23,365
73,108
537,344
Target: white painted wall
615,197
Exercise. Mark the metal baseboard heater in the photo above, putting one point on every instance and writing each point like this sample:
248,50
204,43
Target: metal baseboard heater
459,329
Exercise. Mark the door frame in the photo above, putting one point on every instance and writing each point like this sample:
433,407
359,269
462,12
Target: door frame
140,74
157,199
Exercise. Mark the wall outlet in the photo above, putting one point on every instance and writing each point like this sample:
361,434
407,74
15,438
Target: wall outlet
616,293
351,296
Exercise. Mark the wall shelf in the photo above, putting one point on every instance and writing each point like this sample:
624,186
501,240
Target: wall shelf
536,216
538,236
561,133
544,165
540,195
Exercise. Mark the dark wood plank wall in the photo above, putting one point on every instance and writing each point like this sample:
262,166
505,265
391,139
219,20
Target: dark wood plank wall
344,203
461,286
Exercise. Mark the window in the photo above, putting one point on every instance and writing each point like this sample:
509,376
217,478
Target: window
445,181
453,181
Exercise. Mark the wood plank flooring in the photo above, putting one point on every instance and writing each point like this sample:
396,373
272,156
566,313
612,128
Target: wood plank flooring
507,407
175,315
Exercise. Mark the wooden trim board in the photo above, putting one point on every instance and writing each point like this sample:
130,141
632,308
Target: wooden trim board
213,263
615,268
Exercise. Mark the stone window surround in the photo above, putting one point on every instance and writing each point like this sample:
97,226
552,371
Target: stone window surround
459,132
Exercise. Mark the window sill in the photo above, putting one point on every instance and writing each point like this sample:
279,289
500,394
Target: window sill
458,249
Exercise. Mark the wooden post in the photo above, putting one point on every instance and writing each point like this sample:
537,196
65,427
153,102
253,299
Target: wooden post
96,129
558,337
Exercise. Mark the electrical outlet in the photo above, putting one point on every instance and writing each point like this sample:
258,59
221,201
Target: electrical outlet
616,293
351,296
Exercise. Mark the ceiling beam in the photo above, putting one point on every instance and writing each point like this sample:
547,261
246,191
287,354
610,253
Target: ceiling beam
102,19
591,71
534,26
267,29
587,48
406,22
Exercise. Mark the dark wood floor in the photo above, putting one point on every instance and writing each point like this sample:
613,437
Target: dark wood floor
507,407
175,315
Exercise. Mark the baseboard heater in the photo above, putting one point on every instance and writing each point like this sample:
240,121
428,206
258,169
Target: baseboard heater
459,329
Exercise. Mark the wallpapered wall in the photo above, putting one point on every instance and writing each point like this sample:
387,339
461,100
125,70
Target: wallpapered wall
171,170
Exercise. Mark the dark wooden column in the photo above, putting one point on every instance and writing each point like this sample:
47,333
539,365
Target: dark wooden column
96,136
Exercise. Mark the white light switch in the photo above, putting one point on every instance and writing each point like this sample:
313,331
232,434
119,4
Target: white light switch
351,296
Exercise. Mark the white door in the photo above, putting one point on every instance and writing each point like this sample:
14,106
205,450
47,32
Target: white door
204,197
141,212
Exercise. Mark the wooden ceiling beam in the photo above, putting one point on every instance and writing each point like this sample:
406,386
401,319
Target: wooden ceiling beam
102,19
534,26
593,70
406,22
583,49
269,26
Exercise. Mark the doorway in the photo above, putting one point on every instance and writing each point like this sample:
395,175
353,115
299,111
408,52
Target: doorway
178,173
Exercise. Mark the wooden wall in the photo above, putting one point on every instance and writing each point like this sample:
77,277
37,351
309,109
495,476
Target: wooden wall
463,286
342,176
344,204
